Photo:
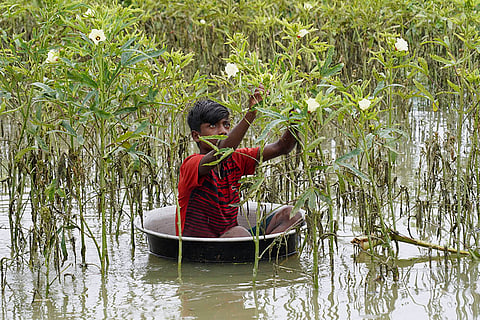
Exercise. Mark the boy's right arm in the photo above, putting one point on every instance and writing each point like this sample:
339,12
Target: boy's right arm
235,136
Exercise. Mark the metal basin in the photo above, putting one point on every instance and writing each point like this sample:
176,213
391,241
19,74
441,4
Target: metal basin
159,228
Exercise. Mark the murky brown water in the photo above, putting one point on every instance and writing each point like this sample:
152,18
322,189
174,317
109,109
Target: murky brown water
142,286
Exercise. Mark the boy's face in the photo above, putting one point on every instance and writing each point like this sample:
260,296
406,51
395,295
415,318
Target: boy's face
222,127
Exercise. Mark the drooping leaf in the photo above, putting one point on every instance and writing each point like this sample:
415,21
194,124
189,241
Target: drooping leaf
141,56
41,143
102,114
268,128
224,152
22,152
349,155
314,143
44,87
307,196
68,127
82,78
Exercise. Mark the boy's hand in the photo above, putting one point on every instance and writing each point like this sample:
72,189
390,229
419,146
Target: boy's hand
256,97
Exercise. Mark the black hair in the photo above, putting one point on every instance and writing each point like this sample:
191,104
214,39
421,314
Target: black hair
206,111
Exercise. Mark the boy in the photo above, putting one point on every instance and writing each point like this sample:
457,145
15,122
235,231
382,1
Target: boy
206,192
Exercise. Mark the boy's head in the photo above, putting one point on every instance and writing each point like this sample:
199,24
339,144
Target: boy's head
206,111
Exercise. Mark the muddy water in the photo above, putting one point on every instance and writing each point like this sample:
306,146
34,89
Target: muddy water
142,286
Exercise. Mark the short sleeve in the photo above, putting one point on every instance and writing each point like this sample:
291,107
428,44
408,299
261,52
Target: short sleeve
246,159
189,173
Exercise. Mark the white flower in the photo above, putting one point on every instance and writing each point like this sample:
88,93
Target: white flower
364,104
307,6
202,21
401,45
97,36
52,56
312,104
302,33
89,13
231,69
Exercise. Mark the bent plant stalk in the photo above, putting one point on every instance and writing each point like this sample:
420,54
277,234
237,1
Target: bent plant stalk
365,243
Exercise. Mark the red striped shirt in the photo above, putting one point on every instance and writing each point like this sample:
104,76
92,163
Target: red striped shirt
205,202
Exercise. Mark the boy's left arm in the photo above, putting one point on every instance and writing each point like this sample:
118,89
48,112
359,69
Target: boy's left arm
283,146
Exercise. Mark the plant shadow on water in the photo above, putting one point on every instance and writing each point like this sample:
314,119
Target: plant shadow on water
215,290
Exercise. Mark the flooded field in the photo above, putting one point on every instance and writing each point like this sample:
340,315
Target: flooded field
373,111
139,285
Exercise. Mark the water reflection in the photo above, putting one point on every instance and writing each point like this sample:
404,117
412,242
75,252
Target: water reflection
143,286
212,291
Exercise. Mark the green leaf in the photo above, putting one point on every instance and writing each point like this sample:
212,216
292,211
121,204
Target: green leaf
102,114
128,43
141,56
124,137
349,155
68,127
446,62
50,190
387,133
325,70
63,245
125,110
206,138
82,78
135,159
328,60
423,64
335,69
22,152
268,128
332,115
41,143
357,172
60,192
453,86
142,127
43,86
307,195
256,185
379,88
89,96
314,143
423,90
225,152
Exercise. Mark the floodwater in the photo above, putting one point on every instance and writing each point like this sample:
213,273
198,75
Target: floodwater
142,286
